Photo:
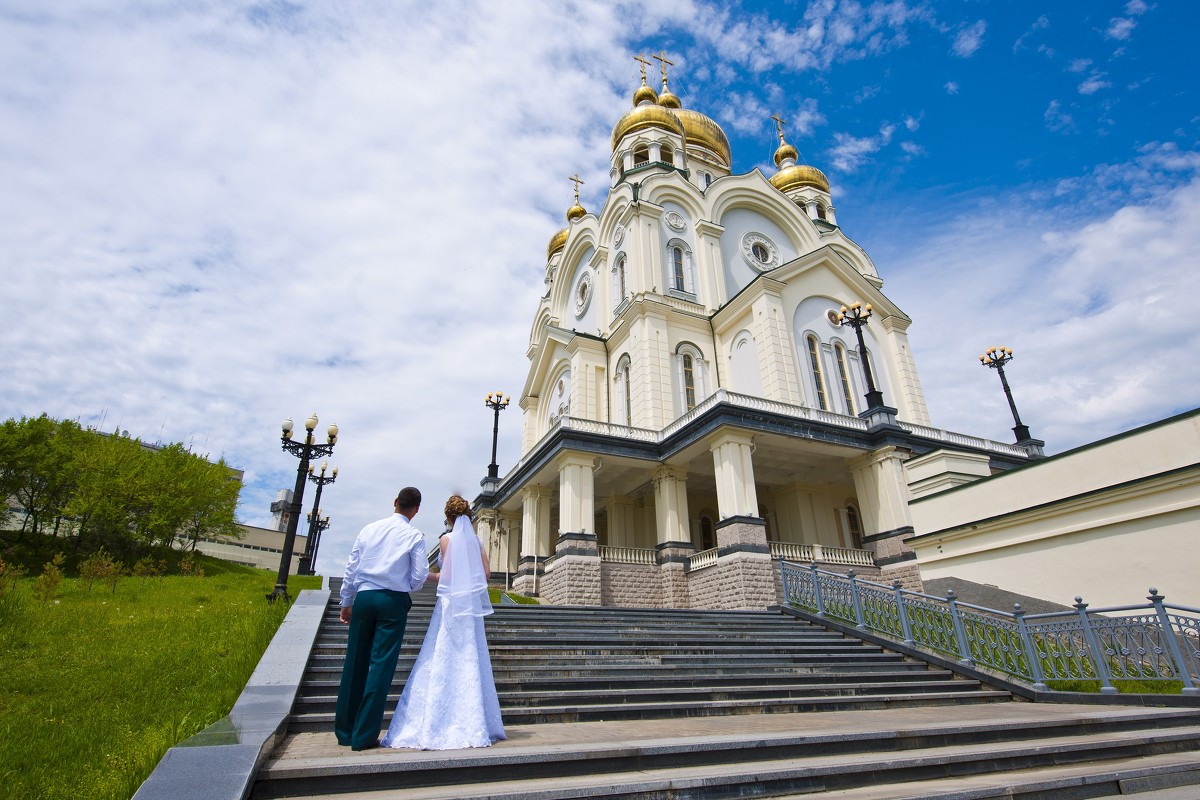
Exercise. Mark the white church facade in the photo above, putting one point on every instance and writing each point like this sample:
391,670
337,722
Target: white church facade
695,405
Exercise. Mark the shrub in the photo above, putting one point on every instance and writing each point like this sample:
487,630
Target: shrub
99,566
46,586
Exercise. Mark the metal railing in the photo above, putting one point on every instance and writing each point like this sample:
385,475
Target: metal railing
1147,642
819,552
628,555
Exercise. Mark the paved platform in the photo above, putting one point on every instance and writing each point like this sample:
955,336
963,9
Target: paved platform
321,751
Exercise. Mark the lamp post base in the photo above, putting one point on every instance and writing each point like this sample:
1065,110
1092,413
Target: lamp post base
280,593
305,567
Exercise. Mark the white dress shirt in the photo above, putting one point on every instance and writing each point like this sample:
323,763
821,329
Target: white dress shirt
388,554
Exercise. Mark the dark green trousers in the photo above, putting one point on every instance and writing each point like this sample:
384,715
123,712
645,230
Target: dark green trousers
376,632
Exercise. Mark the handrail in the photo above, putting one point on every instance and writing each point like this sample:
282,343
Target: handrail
794,551
1144,641
702,559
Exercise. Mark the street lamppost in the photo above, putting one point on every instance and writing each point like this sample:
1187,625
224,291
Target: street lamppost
318,527
856,315
310,554
305,451
497,402
996,358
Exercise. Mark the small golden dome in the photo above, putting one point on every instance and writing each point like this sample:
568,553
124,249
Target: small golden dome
798,175
642,117
702,131
643,94
785,152
557,242
668,100
575,212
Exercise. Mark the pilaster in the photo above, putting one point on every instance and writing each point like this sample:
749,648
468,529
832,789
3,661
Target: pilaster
736,494
670,504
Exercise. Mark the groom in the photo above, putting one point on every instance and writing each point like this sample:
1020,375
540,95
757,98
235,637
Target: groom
387,562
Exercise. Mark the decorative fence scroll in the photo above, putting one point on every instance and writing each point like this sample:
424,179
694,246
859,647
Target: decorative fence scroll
1149,641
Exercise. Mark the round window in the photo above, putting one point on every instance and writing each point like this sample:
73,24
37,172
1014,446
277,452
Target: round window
761,253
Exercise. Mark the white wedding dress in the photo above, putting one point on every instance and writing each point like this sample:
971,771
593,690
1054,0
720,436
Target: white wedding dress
449,700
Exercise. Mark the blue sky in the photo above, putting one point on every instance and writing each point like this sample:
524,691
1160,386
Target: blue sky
217,214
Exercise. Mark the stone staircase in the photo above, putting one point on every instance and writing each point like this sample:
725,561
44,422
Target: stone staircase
663,703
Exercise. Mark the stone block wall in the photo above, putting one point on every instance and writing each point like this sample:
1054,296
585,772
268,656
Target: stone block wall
631,586
572,581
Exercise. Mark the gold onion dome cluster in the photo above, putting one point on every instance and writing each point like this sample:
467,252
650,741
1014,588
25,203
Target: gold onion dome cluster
652,110
792,175
559,240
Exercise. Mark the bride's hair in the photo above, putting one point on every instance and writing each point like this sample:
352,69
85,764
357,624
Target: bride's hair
456,506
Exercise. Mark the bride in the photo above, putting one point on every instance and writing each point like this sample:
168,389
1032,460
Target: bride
449,700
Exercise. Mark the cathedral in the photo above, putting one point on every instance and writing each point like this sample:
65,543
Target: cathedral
716,381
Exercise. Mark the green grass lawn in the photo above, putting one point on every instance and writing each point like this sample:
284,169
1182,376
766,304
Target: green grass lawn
95,685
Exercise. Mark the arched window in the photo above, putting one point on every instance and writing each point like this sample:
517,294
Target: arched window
820,211
708,539
689,376
668,155
641,155
844,377
855,524
814,364
677,267
619,287
624,415
705,180
559,401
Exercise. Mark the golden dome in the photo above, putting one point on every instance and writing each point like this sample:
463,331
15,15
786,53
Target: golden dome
785,152
557,242
668,100
702,131
575,212
643,94
647,116
798,175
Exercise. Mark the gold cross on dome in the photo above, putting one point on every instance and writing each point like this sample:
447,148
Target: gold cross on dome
779,123
664,63
577,181
645,62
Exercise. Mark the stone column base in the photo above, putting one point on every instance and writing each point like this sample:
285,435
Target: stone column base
527,581
574,578
672,565
744,579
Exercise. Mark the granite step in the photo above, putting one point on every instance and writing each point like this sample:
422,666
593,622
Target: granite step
850,755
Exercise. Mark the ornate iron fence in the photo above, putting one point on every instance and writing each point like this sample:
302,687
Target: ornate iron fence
1149,641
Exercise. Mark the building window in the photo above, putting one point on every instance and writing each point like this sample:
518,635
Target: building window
820,211
708,539
689,377
705,180
668,155
844,376
641,155
814,364
677,264
855,525
689,382
679,269
624,403
618,282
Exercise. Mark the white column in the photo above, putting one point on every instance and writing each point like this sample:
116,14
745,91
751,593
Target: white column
535,516
736,495
882,490
576,495
670,505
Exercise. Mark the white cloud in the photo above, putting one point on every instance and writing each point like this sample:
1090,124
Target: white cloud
1096,305
1041,23
1137,7
951,87
851,152
806,118
969,39
912,149
1120,28
1093,84
1079,65
1058,120
912,123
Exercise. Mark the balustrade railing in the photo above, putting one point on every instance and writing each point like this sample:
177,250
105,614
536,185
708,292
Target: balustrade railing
791,551
1149,641
705,558
628,555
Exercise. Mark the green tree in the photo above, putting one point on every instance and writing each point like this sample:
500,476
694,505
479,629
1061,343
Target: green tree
36,457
